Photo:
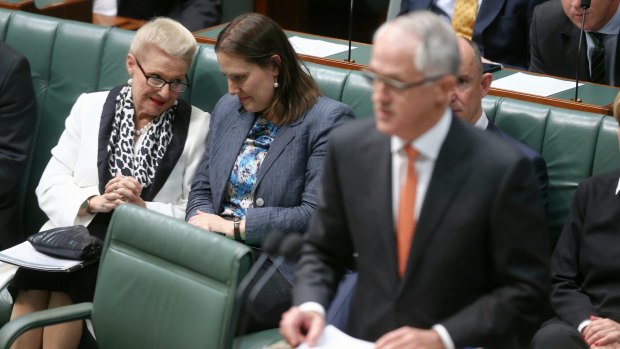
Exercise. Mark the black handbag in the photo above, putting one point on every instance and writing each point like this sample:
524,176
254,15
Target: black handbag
74,242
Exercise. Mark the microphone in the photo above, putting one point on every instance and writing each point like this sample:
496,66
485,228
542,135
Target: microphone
585,5
350,31
271,245
288,249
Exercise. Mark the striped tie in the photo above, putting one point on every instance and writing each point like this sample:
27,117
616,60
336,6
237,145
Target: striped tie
598,74
406,220
464,17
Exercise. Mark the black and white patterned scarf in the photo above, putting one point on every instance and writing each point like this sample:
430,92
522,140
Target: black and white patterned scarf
143,165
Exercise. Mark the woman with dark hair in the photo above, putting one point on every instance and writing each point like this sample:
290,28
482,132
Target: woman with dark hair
264,156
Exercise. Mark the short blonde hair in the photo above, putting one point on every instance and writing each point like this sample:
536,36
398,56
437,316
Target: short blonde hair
168,35
617,107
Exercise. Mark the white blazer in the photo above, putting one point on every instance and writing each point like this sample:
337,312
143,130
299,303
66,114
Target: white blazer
71,176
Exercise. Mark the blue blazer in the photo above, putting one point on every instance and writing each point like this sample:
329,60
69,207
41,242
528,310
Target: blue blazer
285,193
501,30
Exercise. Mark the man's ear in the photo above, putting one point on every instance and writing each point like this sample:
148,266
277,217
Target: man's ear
485,84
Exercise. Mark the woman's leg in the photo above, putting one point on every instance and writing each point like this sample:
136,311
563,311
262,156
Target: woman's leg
28,302
62,336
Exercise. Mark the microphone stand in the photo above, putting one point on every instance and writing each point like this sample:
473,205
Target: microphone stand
584,5
350,32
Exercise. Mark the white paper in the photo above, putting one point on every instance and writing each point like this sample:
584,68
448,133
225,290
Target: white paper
317,48
333,338
26,256
533,84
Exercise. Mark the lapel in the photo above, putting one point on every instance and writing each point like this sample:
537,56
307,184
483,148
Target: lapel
225,152
180,126
105,129
489,10
451,170
617,70
569,36
376,198
285,135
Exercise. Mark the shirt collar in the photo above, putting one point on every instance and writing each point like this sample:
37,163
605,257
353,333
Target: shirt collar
613,26
482,122
429,143
618,187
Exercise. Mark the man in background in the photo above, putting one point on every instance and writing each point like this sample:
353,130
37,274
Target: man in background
466,102
555,33
500,28
18,117
193,14
446,221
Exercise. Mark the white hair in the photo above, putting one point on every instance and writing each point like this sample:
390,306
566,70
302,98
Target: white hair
436,52
168,35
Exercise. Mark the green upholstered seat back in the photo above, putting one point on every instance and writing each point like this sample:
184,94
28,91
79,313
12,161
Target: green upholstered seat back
575,146
165,284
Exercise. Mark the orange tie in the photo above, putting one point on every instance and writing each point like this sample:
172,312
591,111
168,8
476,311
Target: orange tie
406,222
464,17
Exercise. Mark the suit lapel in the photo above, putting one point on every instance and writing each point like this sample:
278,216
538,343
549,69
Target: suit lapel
377,198
285,135
451,170
226,150
180,127
570,42
489,10
105,129
617,69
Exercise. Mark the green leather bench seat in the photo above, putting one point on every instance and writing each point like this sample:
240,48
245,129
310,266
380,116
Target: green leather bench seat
68,58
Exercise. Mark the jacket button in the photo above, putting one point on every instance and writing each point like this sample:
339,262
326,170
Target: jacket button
260,202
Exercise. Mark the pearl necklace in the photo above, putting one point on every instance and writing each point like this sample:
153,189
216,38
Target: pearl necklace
144,129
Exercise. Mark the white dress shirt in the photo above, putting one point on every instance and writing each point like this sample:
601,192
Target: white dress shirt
447,6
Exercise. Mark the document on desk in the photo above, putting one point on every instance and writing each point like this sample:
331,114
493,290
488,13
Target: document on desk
24,255
533,84
333,338
317,48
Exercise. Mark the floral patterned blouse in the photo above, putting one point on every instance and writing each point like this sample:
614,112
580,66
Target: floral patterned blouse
245,171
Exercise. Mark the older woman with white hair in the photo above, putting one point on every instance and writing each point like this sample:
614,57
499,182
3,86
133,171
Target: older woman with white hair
138,143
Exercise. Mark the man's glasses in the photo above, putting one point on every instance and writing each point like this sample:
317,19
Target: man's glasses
373,78
155,81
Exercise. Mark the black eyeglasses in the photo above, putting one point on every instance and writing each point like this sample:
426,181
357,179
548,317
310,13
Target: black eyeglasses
372,78
155,81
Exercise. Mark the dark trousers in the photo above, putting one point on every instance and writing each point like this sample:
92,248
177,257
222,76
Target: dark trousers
556,334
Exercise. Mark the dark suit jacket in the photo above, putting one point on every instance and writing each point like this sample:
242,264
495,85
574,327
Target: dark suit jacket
193,14
501,28
18,116
478,262
585,264
540,167
555,42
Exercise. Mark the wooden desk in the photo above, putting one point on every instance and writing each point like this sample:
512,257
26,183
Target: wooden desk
117,21
79,10
596,98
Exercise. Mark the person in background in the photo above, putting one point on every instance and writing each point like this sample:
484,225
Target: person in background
500,28
555,32
466,103
136,144
265,152
585,286
18,116
446,221
193,14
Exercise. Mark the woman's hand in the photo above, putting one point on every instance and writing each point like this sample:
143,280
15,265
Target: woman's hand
104,203
212,222
127,189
